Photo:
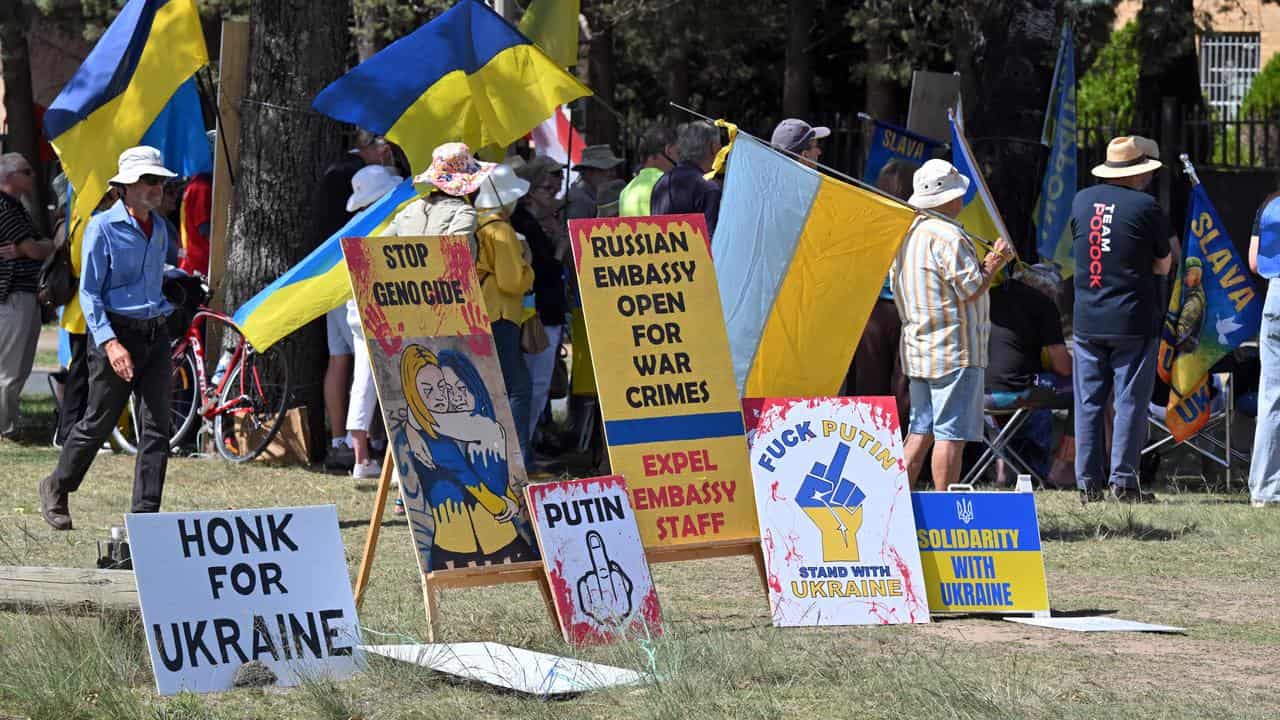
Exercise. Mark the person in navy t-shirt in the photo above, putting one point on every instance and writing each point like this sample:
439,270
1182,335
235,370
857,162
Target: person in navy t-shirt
1122,243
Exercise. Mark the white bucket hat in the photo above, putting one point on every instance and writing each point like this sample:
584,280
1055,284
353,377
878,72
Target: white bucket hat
936,183
138,161
370,183
501,187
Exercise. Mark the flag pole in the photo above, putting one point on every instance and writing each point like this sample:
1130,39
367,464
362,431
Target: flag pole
1189,169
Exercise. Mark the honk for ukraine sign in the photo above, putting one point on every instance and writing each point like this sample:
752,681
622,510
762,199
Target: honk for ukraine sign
672,417
836,525
981,552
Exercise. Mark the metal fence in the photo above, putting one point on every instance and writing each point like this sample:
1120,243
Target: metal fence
1228,63
1209,137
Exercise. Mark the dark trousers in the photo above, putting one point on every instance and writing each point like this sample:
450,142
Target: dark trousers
75,391
506,338
1100,368
108,394
875,369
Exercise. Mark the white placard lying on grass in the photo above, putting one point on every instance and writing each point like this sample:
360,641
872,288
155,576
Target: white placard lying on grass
1095,624
511,667
219,589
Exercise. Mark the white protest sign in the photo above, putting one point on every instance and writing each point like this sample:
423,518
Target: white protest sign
220,589
595,561
836,523
513,668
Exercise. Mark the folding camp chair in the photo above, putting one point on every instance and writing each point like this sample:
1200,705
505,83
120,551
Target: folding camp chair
1049,393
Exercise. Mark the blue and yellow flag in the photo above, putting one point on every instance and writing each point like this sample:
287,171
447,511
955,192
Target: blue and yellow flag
148,51
319,282
979,216
553,25
1058,189
890,142
1214,308
179,133
800,258
467,76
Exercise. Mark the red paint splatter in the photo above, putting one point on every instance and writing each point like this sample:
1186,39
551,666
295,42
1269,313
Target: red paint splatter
908,589
360,265
793,555
773,492
479,338
458,264
774,583
768,543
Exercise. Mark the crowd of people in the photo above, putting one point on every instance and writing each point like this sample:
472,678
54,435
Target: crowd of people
953,335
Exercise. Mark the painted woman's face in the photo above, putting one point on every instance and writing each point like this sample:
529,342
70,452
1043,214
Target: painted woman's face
433,389
460,397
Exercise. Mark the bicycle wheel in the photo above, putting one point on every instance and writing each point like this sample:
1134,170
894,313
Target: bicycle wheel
257,392
183,410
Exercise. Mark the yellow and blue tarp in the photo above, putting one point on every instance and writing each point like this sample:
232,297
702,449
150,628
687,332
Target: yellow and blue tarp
467,76
800,258
319,282
151,49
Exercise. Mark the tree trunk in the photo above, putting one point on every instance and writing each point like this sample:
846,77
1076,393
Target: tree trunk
1005,54
881,100
602,126
798,77
20,104
297,47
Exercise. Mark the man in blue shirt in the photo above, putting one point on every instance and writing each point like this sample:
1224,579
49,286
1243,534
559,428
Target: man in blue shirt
122,270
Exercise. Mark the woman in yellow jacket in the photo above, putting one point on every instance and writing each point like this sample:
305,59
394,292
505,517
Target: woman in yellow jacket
503,263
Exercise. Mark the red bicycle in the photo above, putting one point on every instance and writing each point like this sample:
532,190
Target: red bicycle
242,405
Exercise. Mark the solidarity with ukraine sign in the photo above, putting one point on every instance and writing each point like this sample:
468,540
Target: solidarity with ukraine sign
836,525
672,417
981,551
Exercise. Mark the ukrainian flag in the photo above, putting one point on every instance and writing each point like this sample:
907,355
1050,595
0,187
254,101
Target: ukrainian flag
113,99
319,282
979,216
467,75
800,259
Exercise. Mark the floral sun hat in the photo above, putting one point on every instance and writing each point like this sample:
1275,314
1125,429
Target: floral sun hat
455,171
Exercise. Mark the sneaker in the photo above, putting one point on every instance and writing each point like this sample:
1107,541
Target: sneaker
365,470
1088,496
340,458
1131,495
1262,504
53,506
398,508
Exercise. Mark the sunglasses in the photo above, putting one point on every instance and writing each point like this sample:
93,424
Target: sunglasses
151,180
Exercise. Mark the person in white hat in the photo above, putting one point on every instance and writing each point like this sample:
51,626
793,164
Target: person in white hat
350,408
504,266
1122,242
940,289
125,252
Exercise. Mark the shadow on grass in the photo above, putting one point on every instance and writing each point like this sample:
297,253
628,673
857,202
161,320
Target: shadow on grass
1078,527
346,524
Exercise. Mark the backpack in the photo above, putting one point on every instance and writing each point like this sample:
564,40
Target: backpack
58,281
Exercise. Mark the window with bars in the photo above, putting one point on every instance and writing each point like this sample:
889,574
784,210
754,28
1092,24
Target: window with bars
1228,63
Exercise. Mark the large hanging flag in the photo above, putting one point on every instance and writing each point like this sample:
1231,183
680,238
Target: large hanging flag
800,258
146,53
467,76
1058,188
890,142
319,282
553,25
179,133
979,216
1214,308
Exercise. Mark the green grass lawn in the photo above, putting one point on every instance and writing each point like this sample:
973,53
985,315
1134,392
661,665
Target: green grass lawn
1206,562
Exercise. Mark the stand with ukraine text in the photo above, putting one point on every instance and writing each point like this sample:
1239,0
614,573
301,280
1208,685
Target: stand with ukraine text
449,427
672,417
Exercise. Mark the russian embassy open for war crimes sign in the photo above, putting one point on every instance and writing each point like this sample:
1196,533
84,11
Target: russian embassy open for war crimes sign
835,513
220,589
981,551
672,417
595,561
443,399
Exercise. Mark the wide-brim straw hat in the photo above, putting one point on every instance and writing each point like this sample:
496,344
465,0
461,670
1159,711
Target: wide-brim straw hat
1129,155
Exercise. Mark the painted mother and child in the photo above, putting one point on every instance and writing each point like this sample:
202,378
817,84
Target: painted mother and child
452,454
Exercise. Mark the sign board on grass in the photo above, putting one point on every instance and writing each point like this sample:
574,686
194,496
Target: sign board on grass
672,418
595,561
220,589
981,551
443,399
835,513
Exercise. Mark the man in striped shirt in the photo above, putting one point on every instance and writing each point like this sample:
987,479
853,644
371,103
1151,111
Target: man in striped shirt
940,289
21,253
